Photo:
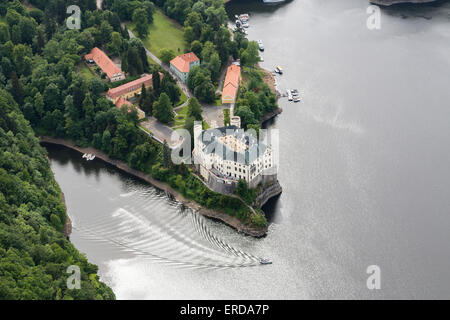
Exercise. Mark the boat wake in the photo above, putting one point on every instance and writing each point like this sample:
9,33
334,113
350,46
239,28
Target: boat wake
163,231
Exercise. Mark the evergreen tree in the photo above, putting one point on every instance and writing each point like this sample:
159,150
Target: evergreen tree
17,88
125,33
194,109
156,80
163,109
143,96
140,19
167,162
147,106
40,41
169,87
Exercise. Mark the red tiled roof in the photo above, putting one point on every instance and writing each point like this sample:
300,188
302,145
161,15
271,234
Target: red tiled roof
103,61
182,62
231,83
121,101
131,86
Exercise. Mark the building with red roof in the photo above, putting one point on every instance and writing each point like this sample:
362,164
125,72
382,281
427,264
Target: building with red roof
231,84
130,89
124,102
113,72
182,64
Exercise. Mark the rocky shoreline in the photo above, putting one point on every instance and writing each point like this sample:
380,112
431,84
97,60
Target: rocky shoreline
214,214
67,229
268,193
269,79
270,115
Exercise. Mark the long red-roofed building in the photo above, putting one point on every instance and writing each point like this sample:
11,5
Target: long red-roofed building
113,72
130,89
231,84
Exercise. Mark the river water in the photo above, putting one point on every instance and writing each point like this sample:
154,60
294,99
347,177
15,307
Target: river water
364,166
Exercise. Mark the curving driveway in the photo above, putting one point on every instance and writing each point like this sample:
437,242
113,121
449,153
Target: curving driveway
180,83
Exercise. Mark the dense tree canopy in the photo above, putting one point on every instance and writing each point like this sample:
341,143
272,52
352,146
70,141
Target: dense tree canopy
254,99
34,255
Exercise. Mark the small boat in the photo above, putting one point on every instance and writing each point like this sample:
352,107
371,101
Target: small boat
260,45
88,156
273,1
278,70
265,261
244,17
289,94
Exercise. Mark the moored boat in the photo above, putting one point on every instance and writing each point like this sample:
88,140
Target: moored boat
244,17
279,70
260,45
273,1
289,94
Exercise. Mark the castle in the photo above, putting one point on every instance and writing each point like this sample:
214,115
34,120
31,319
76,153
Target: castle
226,154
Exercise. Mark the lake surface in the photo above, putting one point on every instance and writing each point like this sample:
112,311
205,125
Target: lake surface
364,165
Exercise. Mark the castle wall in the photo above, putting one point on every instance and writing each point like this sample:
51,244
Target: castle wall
219,185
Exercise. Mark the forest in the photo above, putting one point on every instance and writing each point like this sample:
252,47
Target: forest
34,254
42,93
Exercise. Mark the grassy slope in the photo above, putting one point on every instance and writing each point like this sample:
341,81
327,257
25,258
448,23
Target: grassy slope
180,118
163,33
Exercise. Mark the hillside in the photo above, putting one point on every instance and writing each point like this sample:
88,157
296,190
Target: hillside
34,254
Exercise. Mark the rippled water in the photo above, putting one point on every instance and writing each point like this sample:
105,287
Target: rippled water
364,167
116,216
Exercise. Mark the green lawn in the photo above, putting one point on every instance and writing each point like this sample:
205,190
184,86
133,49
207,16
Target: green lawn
163,33
85,71
218,102
183,99
180,118
152,62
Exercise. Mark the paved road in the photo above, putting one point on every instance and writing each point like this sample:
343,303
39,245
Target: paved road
213,113
159,131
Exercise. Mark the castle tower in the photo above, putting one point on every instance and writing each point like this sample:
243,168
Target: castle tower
235,121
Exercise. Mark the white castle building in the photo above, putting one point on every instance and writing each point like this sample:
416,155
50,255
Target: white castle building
225,155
